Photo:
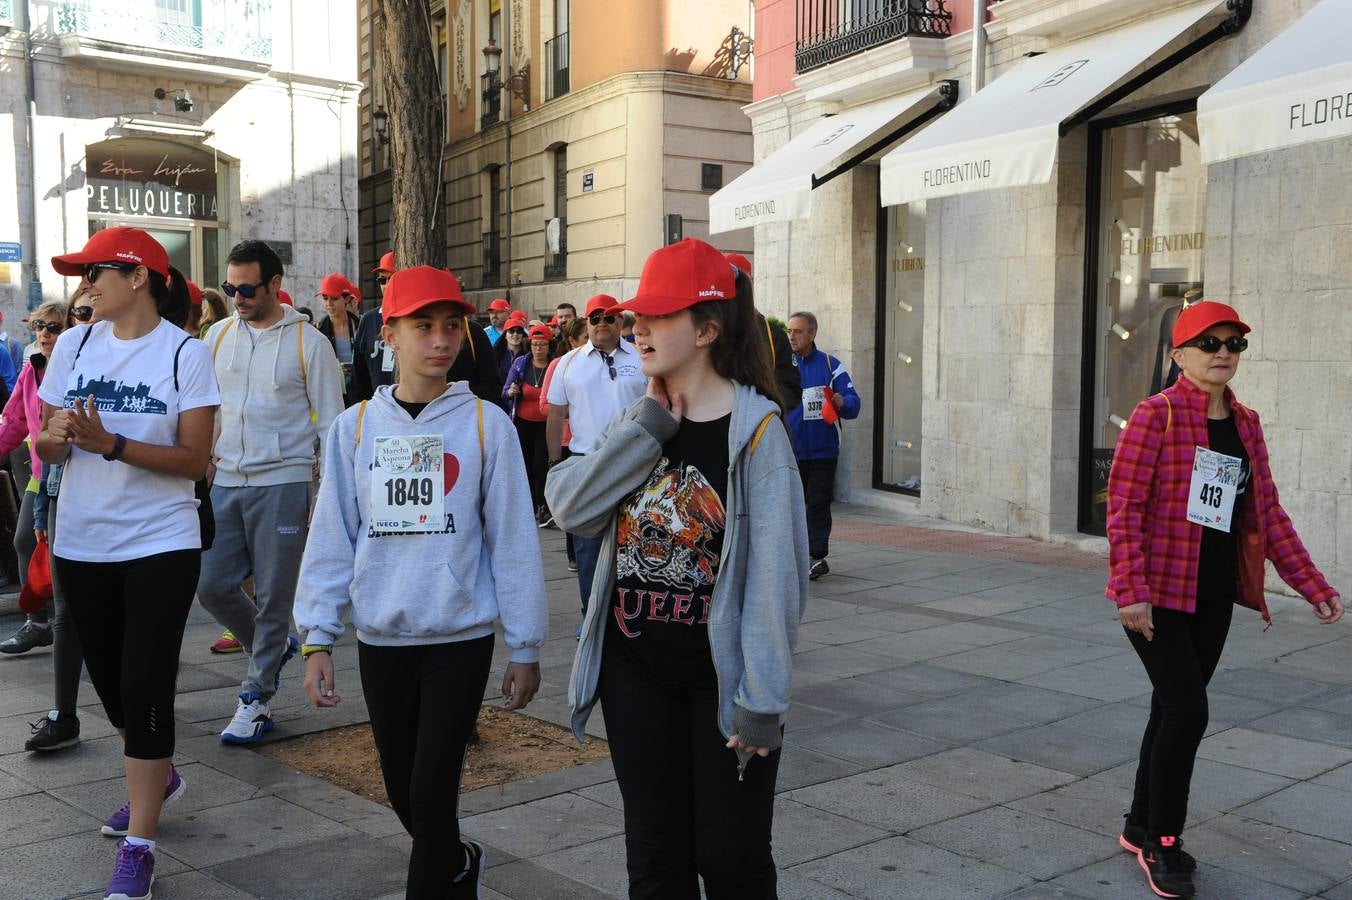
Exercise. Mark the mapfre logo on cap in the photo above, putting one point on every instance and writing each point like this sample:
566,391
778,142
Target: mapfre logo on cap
128,255
713,292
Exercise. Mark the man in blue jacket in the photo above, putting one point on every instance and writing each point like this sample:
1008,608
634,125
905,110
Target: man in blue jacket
828,396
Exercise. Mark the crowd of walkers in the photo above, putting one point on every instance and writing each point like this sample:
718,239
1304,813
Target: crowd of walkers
378,471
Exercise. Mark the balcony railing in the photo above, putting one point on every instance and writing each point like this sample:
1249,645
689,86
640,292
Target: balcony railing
492,100
491,276
237,29
828,30
556,264
556,66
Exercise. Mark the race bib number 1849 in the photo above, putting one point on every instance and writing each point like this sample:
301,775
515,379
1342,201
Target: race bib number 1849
406,484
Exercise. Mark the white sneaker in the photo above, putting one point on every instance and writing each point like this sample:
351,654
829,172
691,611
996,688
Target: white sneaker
251,721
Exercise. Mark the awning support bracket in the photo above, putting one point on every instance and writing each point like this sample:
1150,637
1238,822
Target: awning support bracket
947,98
1240,10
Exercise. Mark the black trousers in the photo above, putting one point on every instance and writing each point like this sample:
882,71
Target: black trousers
535,452
686,816
130,617
819,489
423,702
1180,662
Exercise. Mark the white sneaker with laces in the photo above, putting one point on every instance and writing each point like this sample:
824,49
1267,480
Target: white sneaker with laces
251,721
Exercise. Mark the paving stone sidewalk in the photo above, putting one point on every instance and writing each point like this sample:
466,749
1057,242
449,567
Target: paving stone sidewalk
966,716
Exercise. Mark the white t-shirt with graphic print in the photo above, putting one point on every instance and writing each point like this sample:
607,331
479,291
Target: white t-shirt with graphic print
111,511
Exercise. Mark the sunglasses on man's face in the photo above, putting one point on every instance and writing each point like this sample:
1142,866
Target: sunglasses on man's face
519,332
1211,344
82,313
247,291
598,318
53,327
94,270
382,280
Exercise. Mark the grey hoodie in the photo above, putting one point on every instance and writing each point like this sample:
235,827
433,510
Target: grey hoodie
409,589
761,591
272,409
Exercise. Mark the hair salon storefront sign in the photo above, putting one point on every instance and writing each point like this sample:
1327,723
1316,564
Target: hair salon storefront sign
139,177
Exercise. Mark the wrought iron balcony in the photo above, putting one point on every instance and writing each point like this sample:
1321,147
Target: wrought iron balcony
231,29
492,263
556,66
492,102
828,30
556,264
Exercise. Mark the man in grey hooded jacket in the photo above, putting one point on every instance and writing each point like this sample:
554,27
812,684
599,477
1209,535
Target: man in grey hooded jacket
281,387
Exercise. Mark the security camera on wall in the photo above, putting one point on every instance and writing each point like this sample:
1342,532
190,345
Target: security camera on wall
182,99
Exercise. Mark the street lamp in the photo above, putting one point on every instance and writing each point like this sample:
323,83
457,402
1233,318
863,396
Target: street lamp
381,120
517,82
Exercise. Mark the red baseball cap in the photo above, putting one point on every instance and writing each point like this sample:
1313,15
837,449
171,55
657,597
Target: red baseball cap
386,263
553,322
284,297
409,290
740,261
194,292
334,285
516,319
680,275
352,288
1196,319
500,305
541,333
124,245
602,303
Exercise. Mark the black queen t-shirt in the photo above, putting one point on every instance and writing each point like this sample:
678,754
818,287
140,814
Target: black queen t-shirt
670,539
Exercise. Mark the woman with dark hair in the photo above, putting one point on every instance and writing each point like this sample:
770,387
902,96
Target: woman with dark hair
1192,514
213,309
513,346
128,407
340,327
689,648
524,390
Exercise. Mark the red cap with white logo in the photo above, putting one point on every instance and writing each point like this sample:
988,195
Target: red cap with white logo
411,289
116,245
679,276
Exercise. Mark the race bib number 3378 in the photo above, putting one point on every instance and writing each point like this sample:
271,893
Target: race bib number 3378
406,484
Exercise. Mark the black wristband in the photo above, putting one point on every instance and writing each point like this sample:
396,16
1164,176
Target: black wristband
119,444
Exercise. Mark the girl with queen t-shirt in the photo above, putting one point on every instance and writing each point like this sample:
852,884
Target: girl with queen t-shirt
416,532
703,573
128,406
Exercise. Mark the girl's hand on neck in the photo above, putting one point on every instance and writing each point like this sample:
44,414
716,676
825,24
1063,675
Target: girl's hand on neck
673,403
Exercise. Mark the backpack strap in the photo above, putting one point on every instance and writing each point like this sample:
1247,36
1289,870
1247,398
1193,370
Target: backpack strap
300,349
177,389
479,404
220,338
84,340
361,414
1170,420
760,431
469,336
770,336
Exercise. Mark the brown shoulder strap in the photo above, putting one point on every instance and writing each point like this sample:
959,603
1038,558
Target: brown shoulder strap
220,338
770,336
361,414
1170,420
760,430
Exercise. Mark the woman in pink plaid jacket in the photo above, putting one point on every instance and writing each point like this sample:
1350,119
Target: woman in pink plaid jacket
1192,515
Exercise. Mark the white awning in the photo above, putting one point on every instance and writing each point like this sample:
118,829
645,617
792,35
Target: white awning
1295,90
779,187
1006,135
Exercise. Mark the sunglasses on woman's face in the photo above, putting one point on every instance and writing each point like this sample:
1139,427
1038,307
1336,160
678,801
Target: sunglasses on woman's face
82,313
51,327
1211,344
519,332
597,319
94,270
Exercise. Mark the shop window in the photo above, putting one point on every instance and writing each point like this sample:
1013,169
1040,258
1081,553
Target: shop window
1149,227
900,321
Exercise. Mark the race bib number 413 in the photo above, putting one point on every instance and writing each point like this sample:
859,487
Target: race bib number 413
1215,483
406,484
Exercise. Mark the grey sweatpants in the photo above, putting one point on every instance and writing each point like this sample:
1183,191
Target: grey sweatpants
259,530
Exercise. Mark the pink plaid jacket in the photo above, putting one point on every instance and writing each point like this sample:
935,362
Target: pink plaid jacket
1153,548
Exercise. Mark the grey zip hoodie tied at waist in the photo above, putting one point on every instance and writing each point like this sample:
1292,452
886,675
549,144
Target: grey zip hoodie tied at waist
432,588
761,591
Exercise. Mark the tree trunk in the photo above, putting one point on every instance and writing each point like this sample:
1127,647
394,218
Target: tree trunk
417,135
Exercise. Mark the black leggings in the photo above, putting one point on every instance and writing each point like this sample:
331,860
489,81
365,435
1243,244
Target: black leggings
1180,662
536,454
423,702
686,815
67,656
130,617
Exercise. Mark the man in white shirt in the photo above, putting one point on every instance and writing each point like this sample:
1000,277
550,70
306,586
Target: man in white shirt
280,389
592,386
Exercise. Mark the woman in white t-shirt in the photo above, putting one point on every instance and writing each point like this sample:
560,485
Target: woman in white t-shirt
128,406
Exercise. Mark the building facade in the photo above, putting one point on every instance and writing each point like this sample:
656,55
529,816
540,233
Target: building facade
1001,276
203,121
601,137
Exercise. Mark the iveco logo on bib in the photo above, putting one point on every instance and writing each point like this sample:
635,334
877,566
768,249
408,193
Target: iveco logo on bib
1061,74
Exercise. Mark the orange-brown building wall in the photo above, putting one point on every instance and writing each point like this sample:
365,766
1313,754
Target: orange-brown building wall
691,36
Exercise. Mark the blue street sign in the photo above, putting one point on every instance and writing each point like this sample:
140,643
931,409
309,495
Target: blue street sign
11,252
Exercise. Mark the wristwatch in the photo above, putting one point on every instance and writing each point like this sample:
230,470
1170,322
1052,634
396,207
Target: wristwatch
119,444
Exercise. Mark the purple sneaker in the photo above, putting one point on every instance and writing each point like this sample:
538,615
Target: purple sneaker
118,822
133,873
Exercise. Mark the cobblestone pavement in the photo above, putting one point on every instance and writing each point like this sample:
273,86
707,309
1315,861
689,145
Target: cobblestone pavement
966,713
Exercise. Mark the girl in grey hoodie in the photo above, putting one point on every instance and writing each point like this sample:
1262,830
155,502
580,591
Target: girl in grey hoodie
703,579
424,489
